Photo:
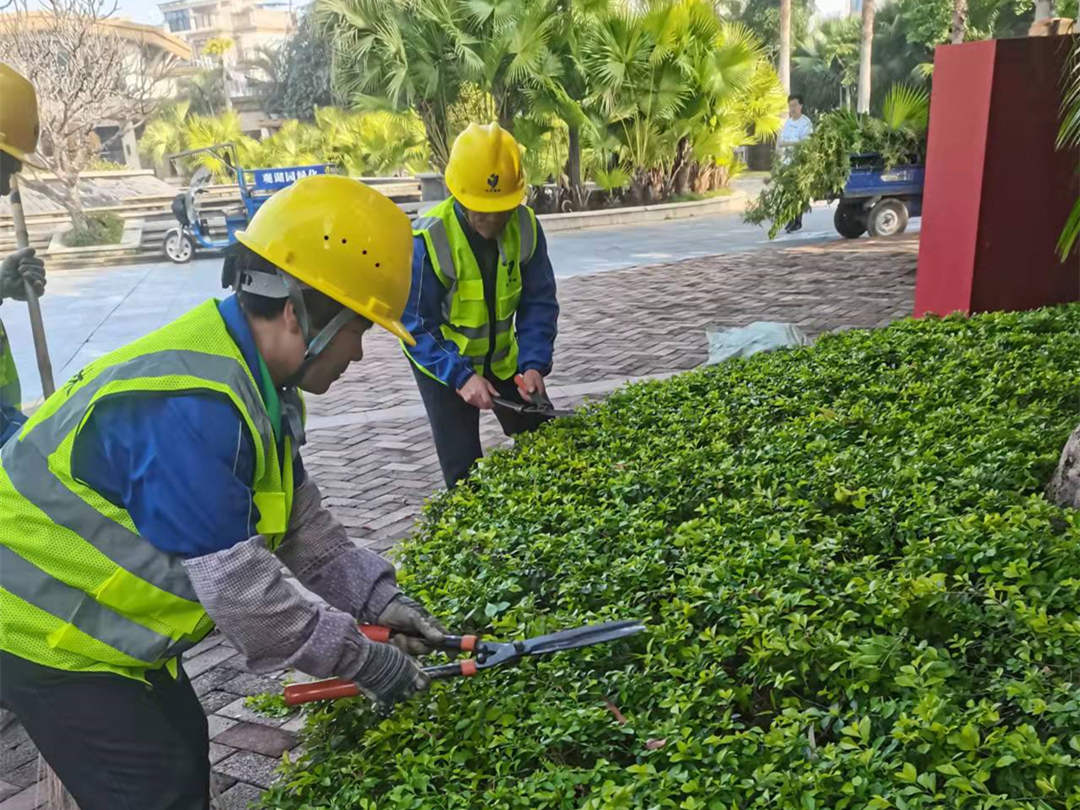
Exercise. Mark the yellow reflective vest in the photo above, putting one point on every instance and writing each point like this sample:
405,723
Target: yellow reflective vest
80,589
10,393
465,310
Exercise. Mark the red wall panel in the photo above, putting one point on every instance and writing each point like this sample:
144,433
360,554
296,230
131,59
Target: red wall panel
997,191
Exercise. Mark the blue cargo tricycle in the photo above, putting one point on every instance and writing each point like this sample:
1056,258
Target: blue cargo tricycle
877,200
256,186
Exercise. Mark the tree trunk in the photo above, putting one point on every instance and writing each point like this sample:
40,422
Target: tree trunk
573,166
1044,9
1064,486
225,84
67,196
959,21
784,68
866,56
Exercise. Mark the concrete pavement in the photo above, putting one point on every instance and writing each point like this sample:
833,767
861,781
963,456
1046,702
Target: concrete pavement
90,312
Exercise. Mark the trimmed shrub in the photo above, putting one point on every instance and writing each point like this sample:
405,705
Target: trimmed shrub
101,229
857,594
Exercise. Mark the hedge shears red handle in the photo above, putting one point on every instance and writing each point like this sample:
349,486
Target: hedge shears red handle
336,688
488,654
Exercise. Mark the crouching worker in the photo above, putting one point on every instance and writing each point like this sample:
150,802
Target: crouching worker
158,492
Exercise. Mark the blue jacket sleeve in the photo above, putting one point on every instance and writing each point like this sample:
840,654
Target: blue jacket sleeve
182,466
538,310
423,316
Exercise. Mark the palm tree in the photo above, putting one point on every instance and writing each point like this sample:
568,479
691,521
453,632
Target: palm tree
785,45
866,56
959,21
401,56
164,134
219,46
827,64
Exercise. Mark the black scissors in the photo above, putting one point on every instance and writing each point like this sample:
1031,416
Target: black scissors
538,404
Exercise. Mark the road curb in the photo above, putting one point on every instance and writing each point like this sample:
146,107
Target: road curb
642,214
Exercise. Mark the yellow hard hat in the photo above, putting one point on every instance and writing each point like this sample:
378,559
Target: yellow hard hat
342,238
484,172
18,114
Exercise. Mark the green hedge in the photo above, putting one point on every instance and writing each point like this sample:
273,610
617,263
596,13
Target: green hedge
856,592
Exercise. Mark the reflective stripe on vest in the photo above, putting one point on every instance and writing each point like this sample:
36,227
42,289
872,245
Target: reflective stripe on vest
79,588
464,309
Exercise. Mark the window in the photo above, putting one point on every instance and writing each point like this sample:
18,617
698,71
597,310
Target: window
178,20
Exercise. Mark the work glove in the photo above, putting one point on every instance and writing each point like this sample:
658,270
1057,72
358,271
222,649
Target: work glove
22,264
418,631
389,676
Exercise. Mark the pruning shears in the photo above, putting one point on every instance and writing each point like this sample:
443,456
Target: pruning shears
538,404
487,654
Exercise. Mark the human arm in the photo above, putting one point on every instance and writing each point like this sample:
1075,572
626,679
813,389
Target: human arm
538,311
423,317
180,470
274,627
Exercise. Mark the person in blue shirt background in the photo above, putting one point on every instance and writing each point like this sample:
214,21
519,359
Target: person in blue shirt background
482,307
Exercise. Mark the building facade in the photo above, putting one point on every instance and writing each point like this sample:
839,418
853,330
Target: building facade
249,24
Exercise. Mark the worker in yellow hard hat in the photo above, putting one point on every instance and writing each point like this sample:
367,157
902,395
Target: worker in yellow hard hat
18,139
159,492
482,309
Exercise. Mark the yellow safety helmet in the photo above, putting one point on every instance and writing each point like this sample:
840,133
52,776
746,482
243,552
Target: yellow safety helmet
18,115
342,238
484,172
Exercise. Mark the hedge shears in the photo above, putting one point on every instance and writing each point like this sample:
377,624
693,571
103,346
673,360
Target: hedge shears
538,404
487,654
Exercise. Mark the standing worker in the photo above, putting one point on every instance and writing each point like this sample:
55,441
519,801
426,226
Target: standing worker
18,139
482,309
796,129
159,491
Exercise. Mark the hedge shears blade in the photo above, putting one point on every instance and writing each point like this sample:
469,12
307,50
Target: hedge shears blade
538,404
487,654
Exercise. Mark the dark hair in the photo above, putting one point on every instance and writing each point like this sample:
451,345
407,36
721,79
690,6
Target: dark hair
795,97
239,258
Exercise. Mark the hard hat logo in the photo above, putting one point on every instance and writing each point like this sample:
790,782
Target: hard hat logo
484,172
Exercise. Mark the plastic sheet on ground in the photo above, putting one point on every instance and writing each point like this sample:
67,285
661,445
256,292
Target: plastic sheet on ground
743,341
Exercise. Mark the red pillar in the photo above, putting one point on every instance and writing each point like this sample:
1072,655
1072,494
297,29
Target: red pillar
997,190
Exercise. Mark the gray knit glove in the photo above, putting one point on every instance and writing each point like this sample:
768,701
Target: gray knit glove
390,676
418,631
17,266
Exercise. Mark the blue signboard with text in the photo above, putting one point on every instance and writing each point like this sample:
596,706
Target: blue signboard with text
274,179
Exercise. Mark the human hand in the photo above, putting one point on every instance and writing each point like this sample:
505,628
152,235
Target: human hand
389,676
529,384
17,267
478,392
418,631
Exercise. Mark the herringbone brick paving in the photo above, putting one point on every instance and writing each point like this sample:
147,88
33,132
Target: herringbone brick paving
376,466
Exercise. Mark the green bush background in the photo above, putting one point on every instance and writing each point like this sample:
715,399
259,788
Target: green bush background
857,595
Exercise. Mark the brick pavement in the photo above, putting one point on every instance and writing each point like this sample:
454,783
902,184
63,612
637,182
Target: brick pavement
370,449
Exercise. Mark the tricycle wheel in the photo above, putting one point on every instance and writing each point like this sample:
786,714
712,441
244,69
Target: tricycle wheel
888,218
850,220
178,246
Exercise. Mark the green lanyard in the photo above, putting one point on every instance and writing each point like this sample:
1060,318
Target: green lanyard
270,399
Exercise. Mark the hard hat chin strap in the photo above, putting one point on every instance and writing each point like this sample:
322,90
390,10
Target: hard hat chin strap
281,285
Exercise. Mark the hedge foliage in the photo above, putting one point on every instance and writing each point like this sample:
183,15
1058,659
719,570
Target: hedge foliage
857,594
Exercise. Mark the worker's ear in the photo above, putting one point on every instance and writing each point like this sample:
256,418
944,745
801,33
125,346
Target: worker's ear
292,322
